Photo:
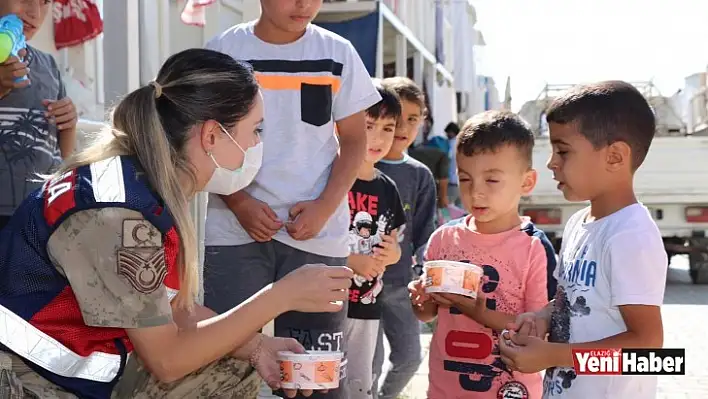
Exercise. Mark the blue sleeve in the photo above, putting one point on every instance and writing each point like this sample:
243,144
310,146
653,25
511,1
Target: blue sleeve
551,265
439,143
425,211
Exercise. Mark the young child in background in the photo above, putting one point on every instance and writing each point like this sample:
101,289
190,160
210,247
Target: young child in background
612,269
376,217
494,152
417,189
453,190
35,113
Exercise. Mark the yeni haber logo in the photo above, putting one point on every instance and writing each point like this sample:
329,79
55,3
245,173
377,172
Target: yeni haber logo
629,361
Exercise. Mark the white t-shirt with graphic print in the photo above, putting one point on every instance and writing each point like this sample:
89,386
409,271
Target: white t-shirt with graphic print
604,264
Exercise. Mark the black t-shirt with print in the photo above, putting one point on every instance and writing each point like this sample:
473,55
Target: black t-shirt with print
376,210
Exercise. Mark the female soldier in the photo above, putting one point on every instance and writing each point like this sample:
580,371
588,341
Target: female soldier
91,262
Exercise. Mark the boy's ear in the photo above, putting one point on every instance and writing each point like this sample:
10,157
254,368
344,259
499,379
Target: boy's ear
529,182
618,156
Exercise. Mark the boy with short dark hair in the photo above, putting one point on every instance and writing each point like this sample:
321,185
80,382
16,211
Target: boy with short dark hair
494,153
376,217
37,119
612,269
417,190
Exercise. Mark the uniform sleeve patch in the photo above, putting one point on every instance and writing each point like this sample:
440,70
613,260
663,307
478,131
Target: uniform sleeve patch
140,234
145,273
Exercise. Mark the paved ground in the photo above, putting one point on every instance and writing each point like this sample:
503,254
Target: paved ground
685,315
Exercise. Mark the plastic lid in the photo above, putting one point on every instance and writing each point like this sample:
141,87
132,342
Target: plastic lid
310,356
451,263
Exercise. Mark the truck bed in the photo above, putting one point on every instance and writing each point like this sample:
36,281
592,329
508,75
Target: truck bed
675,171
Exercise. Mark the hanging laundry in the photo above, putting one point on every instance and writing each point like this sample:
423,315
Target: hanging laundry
75,22
194,12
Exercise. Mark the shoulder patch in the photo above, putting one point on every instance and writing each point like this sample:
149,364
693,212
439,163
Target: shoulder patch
145,273
140,234
107,180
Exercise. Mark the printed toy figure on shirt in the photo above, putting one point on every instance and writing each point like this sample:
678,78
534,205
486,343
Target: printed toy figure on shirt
361,239
364,235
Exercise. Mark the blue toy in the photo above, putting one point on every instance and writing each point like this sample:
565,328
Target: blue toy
12,38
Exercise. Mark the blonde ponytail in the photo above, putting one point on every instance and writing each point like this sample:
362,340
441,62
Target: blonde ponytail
164,168
154,124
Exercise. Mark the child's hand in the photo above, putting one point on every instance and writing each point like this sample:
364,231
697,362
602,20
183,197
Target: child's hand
256,217
529,324
12,69
416,291
388,252
531,357
62,113
307,218
366,266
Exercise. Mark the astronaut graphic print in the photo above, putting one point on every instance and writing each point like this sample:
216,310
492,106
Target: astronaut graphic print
376,210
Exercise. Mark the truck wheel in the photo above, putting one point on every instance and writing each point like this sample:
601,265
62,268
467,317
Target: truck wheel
698,267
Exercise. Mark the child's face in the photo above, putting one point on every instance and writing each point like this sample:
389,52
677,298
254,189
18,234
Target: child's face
407,128
290,15
379,137
579,168
492,183
31,12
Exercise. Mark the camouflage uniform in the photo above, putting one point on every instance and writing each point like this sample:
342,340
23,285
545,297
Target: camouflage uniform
93,248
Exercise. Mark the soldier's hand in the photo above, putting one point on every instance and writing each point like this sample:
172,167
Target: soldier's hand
316,288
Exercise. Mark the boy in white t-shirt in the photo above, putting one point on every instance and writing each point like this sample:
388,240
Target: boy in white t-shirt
612,269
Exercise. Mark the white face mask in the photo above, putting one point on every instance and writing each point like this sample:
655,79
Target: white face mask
227,182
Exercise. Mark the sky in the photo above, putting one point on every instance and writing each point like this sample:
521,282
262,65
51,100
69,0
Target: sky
574,41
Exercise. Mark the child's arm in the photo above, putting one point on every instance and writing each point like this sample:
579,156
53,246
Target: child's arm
388,251
493,319
67,141
644,330
424,214
426,312
535,294
62,112
637,273
424,308
356,94
476,310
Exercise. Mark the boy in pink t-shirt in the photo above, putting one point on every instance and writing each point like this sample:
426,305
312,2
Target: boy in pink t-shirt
494,167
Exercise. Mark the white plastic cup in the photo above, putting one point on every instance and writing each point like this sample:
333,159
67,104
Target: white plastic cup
452,277
316,370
